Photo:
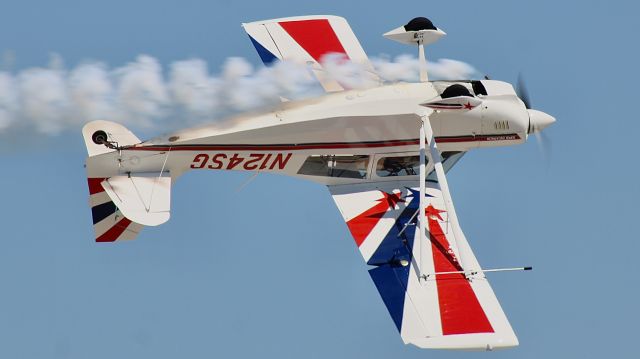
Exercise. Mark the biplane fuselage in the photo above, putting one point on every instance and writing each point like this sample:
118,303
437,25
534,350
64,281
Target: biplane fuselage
372,122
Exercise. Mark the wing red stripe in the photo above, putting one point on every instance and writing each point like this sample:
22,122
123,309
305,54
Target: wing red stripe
364,223
315,36
460,310
361,225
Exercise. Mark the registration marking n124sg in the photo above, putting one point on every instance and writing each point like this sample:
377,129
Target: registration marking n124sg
250,162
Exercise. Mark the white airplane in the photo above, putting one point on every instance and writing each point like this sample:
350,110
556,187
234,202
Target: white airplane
383,152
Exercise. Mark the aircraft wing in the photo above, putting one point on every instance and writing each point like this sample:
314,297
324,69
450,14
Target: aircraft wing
307,40
430,310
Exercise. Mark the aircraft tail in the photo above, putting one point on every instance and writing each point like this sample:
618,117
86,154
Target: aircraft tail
122,203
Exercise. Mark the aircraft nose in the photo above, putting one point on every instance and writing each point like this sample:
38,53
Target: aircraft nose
539,120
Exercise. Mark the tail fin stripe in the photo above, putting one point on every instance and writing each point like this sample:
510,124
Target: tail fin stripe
114,232
95,185
103,226
98,199
102,211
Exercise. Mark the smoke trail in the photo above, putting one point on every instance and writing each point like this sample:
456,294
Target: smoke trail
407,68
140,94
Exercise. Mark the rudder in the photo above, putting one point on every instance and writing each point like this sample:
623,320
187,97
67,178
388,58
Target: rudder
109,223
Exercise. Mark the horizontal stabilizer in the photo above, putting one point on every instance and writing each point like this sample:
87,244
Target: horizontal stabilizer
143,198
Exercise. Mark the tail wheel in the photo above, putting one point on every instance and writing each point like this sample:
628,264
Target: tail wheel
99,137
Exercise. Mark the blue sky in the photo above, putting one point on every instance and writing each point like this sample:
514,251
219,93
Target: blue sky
272,270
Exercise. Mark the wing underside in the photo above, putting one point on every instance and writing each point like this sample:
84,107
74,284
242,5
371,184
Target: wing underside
430,310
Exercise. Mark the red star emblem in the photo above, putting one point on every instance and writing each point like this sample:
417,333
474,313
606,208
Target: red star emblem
392,199
468,106
434,213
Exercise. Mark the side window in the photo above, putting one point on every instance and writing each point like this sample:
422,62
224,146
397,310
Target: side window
398,166
345,166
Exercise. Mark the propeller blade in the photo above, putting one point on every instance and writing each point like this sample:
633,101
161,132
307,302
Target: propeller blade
544,144
535,127
521,90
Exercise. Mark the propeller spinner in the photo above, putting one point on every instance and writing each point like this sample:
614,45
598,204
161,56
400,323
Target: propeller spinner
538,120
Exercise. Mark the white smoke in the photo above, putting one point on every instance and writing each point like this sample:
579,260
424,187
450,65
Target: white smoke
91,91
407,68
8,100
141,94
192,88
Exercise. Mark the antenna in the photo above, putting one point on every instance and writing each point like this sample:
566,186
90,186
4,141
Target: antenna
419,31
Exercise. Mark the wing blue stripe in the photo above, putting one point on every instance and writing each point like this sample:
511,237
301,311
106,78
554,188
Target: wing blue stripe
390,277
392,247
391,281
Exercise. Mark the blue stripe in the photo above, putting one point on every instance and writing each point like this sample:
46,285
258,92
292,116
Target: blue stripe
392,247
102,211
389,276
391,281
267,57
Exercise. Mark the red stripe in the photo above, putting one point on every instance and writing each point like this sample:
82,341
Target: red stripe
319,146
114,232
361,225
438,107
292,147
479,138
460,310
95,185
315,36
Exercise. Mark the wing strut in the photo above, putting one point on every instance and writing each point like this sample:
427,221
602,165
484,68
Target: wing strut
426,133
423,178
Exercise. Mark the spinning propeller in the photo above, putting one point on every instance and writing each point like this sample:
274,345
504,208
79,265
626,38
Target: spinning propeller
523,93
538,120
